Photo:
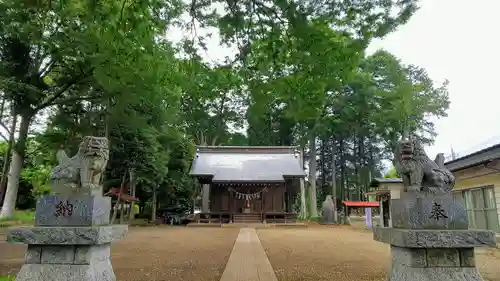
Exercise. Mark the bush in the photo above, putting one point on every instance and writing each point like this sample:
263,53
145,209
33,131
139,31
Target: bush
7,278
316,219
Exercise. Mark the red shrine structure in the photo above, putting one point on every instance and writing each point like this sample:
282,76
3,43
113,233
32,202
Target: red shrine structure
243,184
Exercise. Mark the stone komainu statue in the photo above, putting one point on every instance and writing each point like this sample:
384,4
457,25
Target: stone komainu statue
418,171
81,173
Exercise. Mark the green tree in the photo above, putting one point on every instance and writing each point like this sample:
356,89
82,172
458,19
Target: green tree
61,53
300,77
391,174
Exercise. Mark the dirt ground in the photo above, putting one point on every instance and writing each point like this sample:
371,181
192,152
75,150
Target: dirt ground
341,253
200,254
155,254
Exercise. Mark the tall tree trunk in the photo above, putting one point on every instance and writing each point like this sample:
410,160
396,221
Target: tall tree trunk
323,169
153,207
313,205
18,153
334,182
356,169
343,178
303,208
361,168
371,162
119,198
342,172
347,194
6,159
107,131
132,179
107,119
364,166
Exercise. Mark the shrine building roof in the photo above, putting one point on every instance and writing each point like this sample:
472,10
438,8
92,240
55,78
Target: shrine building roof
480,157
247,163
378,181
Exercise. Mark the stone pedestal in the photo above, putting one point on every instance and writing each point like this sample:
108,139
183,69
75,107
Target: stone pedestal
70,240
430,239
428,211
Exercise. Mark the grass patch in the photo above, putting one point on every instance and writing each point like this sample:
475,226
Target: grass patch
7,278
140,222
19,218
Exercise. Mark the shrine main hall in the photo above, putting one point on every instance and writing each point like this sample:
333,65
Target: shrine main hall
242,184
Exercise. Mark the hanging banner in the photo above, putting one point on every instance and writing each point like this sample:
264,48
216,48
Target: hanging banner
247,196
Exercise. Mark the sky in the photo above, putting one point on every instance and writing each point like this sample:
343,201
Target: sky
454,40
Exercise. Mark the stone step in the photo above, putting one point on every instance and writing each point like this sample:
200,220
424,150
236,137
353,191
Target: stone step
247,218
247,221
249,225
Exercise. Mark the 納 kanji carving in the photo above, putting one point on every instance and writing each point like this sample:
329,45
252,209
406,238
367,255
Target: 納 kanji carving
64,209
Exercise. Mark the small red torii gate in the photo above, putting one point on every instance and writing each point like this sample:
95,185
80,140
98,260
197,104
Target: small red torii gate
364,204
123,196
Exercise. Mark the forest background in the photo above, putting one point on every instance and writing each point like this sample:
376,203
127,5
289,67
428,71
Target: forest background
299,76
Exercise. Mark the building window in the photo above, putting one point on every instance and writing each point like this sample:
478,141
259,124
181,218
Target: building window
458,196
491,209
481,207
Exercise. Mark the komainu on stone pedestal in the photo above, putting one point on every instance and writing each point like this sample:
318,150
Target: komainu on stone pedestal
430,238
71,238
81,173
419,172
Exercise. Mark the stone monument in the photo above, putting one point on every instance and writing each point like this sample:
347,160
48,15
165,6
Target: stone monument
71,237
429,237
328,210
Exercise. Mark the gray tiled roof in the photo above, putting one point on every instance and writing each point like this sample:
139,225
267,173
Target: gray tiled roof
474,159
388,180
246,164
378,181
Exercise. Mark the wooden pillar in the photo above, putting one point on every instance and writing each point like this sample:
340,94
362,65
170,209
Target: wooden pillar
381,213
283,202
285,197
263,205
231,205
205,201
262,202
303,211
390,213
288,200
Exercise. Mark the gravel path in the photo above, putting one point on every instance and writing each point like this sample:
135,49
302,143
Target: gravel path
342,254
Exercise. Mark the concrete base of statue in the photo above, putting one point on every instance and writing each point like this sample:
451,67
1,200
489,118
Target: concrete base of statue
430,240
70,240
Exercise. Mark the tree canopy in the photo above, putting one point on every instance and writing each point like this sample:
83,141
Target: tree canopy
300,76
